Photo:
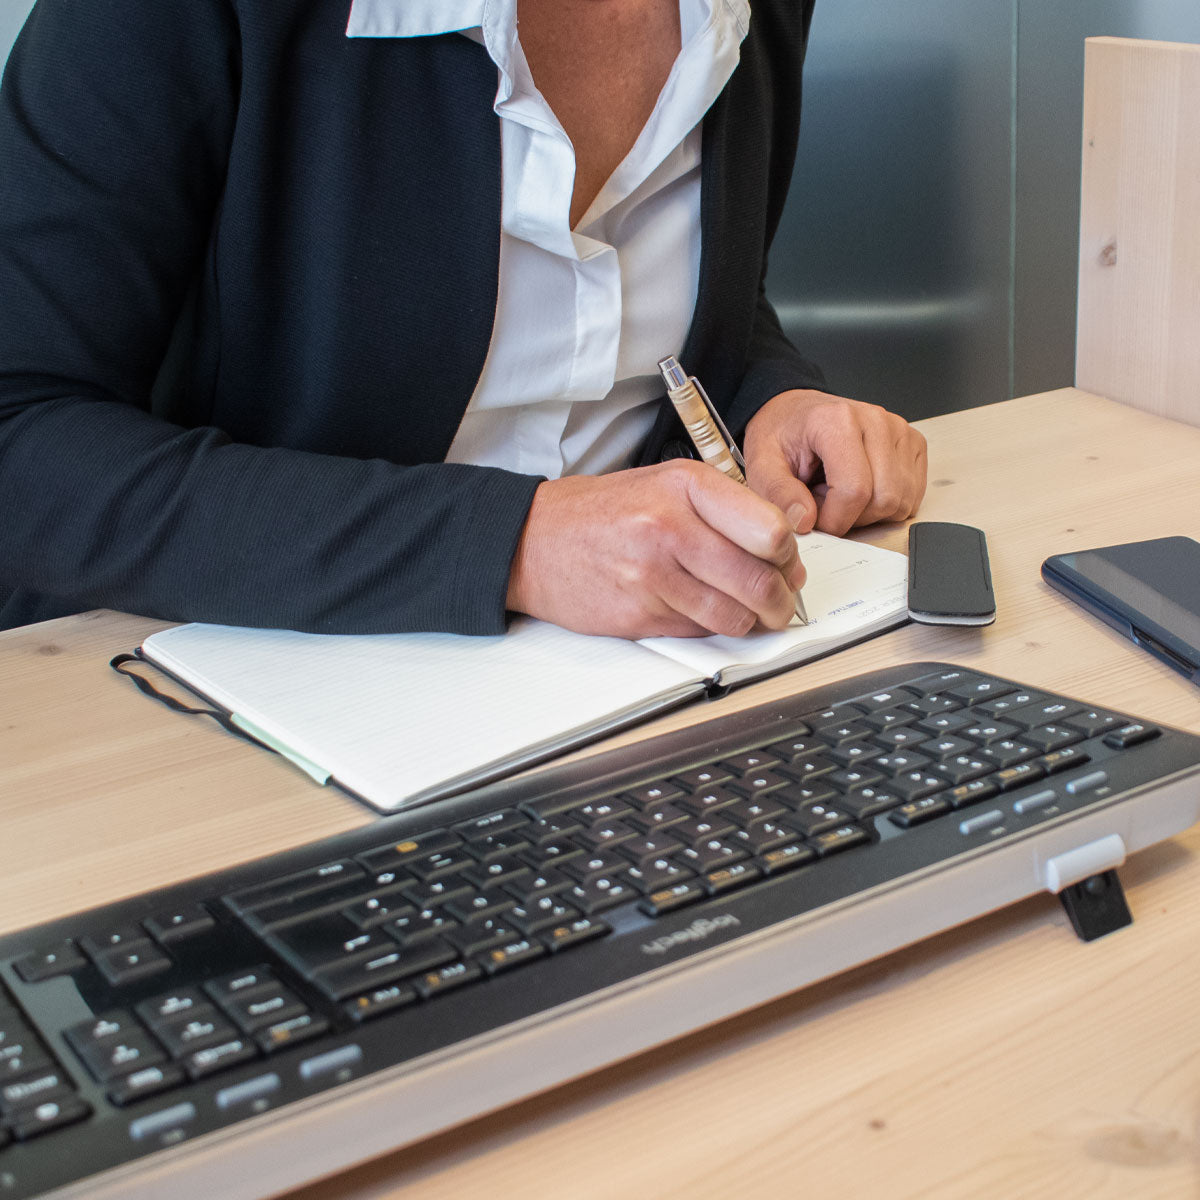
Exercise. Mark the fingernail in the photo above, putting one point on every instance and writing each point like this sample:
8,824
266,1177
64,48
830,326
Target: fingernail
798,516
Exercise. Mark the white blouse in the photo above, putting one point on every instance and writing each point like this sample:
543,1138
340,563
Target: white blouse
583,315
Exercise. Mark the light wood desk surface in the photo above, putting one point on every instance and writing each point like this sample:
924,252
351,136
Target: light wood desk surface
1001,1059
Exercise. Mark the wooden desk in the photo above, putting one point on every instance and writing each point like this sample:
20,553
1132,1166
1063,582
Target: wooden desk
1002,1059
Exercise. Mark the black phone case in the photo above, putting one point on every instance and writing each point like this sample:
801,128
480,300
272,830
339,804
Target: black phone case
1148,591
949,576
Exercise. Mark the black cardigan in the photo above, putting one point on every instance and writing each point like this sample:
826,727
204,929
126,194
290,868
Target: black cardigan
248,270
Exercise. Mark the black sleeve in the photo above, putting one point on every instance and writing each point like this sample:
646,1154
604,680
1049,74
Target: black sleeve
774,365
116,121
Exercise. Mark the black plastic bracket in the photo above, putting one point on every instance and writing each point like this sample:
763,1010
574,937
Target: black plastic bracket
1096,905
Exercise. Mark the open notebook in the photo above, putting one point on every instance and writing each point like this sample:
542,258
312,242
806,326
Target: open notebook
400,719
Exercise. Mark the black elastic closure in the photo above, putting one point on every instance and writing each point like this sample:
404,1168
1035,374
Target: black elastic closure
144,685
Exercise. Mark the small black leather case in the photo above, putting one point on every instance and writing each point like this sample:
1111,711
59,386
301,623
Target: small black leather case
949,577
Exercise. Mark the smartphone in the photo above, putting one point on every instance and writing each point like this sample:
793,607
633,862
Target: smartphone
1149,591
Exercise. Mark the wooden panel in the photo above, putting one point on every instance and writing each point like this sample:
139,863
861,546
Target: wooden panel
1139,245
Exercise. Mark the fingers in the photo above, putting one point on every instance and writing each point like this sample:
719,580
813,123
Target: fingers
833,464
677,549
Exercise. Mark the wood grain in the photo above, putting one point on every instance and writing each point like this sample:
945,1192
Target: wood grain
1138,337
1000,1059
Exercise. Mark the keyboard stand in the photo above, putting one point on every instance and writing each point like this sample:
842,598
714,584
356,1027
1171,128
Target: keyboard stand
1096,905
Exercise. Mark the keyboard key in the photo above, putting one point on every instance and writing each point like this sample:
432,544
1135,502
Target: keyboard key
938,723
1087,783
899,737
642,850
445,979
197,1030
839,732
711,854
491,824
300,884
914,785
1051,737
269,1006
38,1087
179,925
600,812
656,874
917,812
171,1005
212,1059
400,853
281,1034
979,824
976,689
701,778
676,896
865,802
597,895
150,1081
484,905
833,841
750,763
349,979
725,879
511,954
986,732
1014,777
380,1001
817,818
970,793
63,958
1060,760
1008,753
47,1115
573,933
1132,734
761,836
651,795
962,768
112,1058
543,913
1093,721
494,846
787,858
709,798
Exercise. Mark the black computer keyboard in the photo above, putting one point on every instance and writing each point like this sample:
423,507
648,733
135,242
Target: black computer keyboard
243,1032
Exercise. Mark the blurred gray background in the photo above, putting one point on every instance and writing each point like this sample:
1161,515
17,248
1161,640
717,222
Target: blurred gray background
927,255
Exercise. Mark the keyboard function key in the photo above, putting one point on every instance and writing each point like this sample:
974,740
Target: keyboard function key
211,1059
63,958
982,822
833,841
1133,734
288,1032
787,858
179,925
379,1002
282,1034
47,1115
132,962
917,812
150,1081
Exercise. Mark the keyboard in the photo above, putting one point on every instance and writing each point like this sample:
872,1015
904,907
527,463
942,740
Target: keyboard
244,1032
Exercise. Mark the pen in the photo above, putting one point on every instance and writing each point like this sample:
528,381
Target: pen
707,431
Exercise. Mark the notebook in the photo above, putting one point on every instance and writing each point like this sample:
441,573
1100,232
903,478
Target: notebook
402,719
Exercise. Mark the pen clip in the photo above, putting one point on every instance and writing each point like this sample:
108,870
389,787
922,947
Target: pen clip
735,453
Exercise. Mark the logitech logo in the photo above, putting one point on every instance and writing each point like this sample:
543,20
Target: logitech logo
697,931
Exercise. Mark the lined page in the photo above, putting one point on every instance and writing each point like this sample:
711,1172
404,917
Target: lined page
393,716
853,589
